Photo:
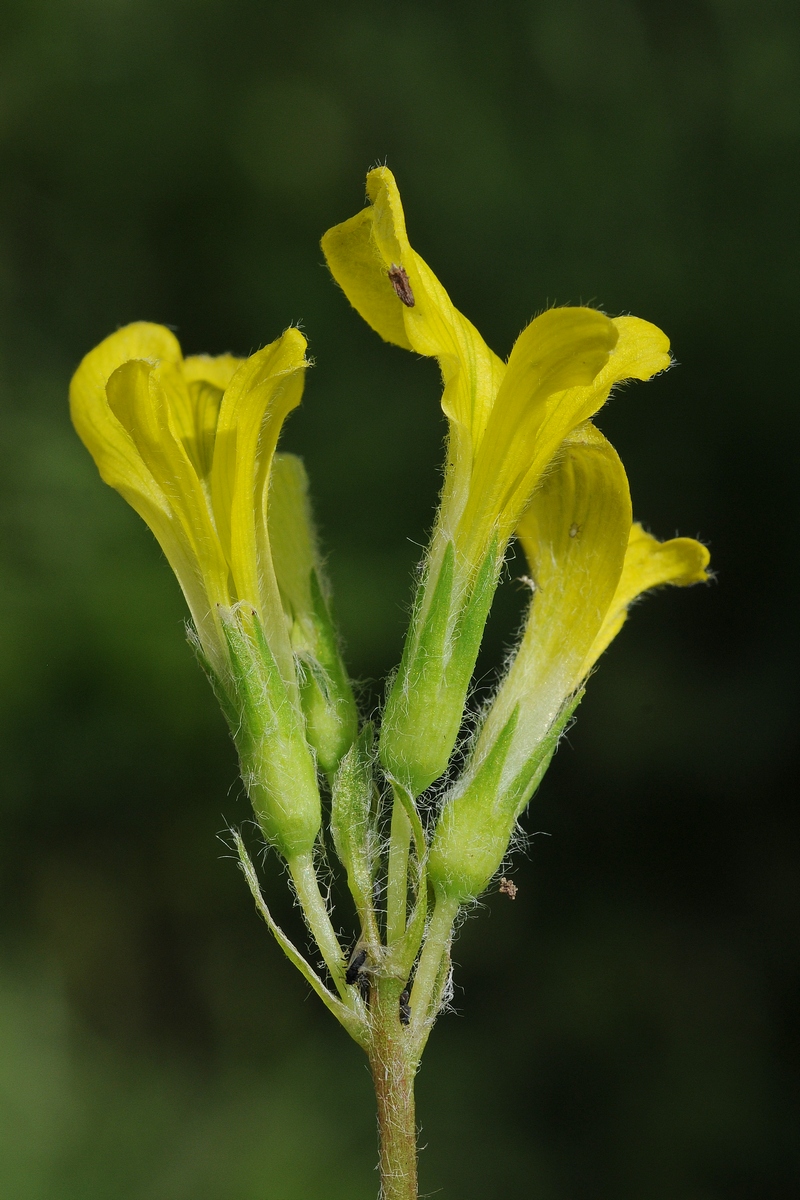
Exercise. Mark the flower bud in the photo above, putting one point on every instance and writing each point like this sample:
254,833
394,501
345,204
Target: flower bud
325,692
353,819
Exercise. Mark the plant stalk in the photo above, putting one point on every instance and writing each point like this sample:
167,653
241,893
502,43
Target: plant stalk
429,978
394,1065
304,877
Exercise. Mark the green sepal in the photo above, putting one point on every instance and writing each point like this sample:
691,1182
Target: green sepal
353,821
218,687
325,692
532,773
472,622
277,765
425,708
474,829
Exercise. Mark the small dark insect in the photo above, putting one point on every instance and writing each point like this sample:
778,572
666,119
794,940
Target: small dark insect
508,888
353,971
405,1007
399,281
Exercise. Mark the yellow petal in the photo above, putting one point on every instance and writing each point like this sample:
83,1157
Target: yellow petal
206,378
356,263
217,370
361,252
556,357
264,390
641,351
109,444
143,398
530,418
574,534
120,401
649,564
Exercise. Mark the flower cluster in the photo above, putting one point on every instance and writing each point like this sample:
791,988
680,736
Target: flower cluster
191,444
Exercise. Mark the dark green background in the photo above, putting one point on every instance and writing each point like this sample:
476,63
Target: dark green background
627,1028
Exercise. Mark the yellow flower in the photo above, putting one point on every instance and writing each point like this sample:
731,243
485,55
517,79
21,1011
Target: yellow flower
506,424
587,563
189,444
507,420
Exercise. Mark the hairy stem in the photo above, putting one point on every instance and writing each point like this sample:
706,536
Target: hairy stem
394,1065
315,910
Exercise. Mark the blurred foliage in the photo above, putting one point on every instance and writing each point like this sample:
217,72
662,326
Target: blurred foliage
626,1026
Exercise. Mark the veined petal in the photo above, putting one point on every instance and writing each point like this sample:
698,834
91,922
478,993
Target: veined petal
261,394
361,253
641,351
559,355
528,424
216,369
143,398
206,379
116,446
110,445
574,534
357,264
648,564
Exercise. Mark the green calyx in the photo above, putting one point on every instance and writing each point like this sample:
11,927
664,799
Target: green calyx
475,826
277,765
425,707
